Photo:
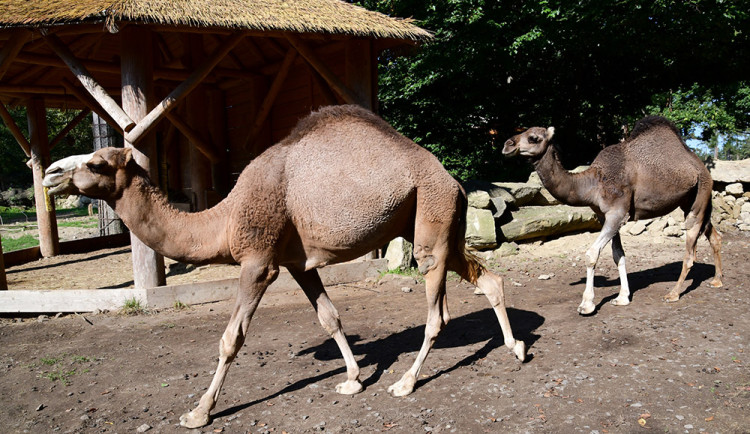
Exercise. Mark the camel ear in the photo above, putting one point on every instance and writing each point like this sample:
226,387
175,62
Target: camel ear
127,155
550,133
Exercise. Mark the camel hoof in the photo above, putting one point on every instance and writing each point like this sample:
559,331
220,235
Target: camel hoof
192,420
671,298
586,308
404,386
620,301
519,349
716,283
349,387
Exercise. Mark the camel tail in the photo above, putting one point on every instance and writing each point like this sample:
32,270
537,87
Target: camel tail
474,267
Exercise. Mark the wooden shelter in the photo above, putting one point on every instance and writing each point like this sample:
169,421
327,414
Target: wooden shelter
198,87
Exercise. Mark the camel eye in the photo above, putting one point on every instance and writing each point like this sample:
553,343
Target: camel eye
535,139
97,167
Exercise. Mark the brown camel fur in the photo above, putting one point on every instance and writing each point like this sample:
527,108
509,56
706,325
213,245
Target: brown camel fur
342,184
649,175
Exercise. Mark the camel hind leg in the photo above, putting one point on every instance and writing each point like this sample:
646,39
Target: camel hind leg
714,238
491,285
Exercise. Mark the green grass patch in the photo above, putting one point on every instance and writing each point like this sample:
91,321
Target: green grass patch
133,306
23,242
93,222
13,214
60,373
411,272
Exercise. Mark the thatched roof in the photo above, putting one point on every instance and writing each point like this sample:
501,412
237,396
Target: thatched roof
302,16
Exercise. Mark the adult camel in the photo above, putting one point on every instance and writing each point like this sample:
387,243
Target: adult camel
342,184
649,175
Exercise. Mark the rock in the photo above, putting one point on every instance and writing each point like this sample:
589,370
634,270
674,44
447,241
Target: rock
406,289
400,279
480,229
730,171
507,249
657,226
673,231
143,428
734,189
544,197
535,180
399,254
479,199
545,276
535,222
500,206
637,228
522,192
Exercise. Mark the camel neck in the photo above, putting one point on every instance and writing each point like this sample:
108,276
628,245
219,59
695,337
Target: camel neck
570,188
194,238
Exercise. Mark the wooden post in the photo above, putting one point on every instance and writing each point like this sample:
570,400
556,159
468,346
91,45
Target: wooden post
105,136
3,280
17,134
359,72
137,99
49,243
197,114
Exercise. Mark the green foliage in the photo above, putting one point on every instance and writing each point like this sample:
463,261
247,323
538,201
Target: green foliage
133,306
585,67
60,374
13,169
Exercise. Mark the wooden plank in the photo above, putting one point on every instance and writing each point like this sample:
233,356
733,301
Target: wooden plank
268,101
87,300
96,90
11,49
17,134
66,300
68,128
325,71
149,121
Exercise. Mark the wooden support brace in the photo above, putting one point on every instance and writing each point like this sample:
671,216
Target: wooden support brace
11,49
17,134
76,120
155,115
204,147
273,92
96,91
336,83
90,102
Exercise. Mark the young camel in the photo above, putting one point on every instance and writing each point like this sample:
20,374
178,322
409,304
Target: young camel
342,184
649,175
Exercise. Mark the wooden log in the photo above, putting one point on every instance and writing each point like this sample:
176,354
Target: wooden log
96,90
72,124
137,99
194,137
11,49
17,134
336,83
273,92
89,102
149,121
49,242
3,280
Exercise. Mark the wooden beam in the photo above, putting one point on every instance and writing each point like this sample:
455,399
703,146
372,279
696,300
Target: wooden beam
89,102
12,48
96,91
147,123
33,89
49,241
72,124
204,147
17,134
336,83
268,101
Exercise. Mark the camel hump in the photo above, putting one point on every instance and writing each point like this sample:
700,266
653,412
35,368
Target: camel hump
650,123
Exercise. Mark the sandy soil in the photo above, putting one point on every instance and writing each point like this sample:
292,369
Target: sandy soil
646,367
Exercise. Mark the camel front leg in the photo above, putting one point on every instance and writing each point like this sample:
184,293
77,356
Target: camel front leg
436,320
609,230
253,283
331,322
618,254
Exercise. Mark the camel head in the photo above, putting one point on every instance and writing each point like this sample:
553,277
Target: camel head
531,143
99,175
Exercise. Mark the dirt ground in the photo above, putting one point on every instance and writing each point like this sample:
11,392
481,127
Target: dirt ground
646,367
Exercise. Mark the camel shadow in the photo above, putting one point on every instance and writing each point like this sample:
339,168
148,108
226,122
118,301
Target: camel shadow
667,273
468,329
77,261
